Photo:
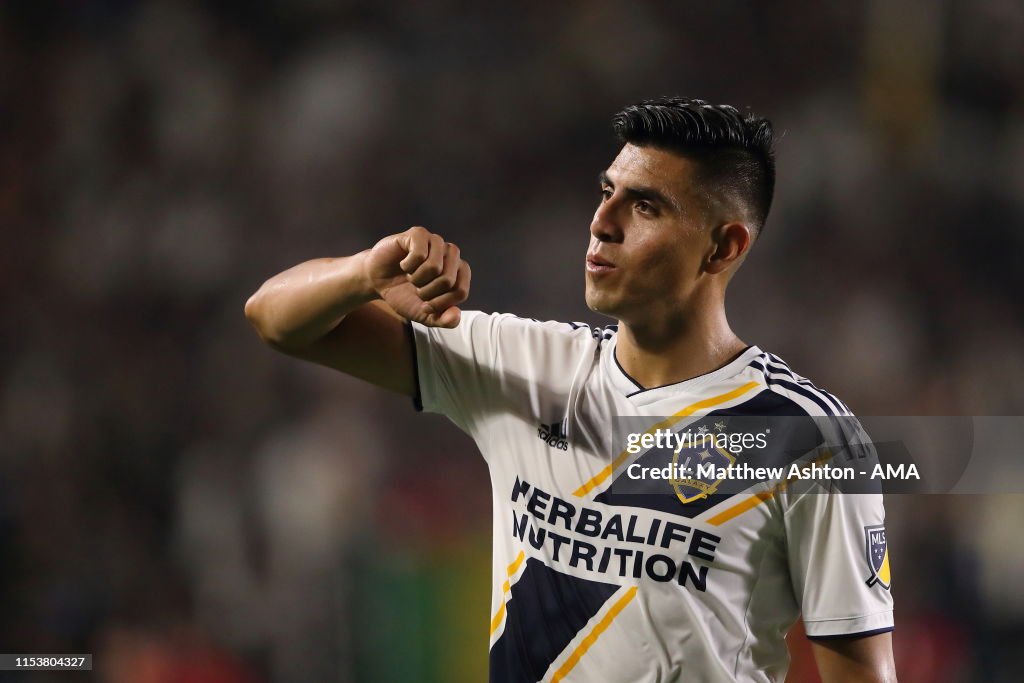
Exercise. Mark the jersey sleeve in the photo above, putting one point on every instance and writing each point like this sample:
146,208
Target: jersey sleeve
839,563
495,362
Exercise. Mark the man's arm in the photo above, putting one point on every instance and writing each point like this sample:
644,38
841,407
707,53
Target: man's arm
349,313
855,660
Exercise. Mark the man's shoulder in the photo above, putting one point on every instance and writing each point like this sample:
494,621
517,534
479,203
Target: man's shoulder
513,323
781,379
603,333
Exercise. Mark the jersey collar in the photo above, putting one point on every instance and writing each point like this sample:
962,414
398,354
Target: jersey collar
629,388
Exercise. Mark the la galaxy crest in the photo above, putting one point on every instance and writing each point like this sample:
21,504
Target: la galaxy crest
690,489
877,550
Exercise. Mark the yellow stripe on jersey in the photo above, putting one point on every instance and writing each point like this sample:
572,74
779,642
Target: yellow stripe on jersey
505,588
758,498
667,422
594,634
748,504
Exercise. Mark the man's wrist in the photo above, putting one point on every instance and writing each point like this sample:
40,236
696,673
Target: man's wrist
365,292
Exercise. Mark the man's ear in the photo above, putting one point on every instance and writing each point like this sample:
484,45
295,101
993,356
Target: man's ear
729,243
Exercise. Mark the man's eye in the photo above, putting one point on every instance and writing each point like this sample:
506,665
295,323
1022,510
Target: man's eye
644,207
606,193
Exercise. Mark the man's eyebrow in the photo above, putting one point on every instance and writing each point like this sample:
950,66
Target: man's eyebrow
641,192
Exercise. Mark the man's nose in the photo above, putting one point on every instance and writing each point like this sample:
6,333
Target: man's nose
606,226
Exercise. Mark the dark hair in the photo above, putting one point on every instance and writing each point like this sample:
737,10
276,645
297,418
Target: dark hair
734,151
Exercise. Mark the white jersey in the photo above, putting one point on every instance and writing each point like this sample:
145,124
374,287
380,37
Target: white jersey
592,588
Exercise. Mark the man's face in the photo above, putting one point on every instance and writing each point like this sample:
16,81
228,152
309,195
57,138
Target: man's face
647,239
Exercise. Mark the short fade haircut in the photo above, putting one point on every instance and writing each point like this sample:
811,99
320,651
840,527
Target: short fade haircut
733,151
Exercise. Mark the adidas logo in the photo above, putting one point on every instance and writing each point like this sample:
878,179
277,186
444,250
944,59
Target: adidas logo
553,435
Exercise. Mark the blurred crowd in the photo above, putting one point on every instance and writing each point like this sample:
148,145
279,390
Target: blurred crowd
189,506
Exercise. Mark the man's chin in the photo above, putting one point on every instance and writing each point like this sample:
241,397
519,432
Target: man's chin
601,304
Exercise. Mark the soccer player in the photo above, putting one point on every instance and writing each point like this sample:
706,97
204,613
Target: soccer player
589,586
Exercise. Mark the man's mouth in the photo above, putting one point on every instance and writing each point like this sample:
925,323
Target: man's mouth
598,264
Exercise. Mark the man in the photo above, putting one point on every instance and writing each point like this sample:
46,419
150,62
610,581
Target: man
589,585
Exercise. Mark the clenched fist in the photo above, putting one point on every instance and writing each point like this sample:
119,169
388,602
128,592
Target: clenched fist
420,276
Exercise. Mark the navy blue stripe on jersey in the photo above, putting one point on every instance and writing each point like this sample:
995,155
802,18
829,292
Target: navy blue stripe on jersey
546,610
840,406
837,406
803,391
801,436
789,381
598,333
786,372
780,368
847,428
859,634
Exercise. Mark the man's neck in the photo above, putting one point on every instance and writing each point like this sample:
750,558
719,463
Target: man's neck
655,356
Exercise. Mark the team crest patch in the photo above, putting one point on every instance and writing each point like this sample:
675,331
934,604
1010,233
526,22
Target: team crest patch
877,555
689,489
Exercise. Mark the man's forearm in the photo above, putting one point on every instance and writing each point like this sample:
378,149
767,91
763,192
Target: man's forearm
302,304
856,660
349,313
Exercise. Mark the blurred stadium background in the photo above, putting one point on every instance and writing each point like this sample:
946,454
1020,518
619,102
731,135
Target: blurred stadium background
189,506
